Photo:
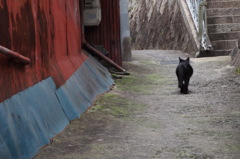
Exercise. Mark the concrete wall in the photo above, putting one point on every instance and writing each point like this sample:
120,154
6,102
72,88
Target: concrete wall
125,31
235,54
159,24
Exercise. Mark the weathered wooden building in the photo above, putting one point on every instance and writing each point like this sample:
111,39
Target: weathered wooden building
47,76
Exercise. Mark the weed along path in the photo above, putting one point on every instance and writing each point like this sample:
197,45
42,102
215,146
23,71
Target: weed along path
145,116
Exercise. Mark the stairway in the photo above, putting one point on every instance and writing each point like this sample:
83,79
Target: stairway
223,17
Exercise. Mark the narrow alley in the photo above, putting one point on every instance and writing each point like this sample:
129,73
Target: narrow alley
145,117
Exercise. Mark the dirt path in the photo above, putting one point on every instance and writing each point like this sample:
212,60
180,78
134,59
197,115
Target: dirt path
145,116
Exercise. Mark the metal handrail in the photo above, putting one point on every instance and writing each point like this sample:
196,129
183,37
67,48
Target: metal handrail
198,12
193,6
16,56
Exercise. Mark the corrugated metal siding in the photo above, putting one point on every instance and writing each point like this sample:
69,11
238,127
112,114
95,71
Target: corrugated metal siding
108,32
78,93
58,85
29,119
46,31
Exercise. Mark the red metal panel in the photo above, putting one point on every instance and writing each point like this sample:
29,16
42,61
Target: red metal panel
108,32
46,31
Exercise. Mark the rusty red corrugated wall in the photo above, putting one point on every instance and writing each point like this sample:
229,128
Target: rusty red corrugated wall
59,84
46,31
108,32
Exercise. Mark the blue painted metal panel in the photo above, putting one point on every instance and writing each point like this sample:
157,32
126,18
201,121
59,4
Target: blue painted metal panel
29,119
78,93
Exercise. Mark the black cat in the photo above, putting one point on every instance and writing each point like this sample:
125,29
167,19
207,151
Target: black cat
184,71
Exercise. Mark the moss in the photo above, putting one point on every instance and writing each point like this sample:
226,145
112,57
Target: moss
237,71
148,63
141,84
235,149
143,80
155,79
113,104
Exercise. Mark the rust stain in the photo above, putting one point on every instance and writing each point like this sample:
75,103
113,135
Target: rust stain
108,32
46,31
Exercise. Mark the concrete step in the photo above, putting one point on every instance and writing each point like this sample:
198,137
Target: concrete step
223,19
224,44
223,4
223,28
211,53
220,0
224,36
223,12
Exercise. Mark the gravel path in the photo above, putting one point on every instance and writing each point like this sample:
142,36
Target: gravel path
145,116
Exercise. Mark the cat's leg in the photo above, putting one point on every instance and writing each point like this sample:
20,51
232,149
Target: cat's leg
179,73
184,88
180,82
186,83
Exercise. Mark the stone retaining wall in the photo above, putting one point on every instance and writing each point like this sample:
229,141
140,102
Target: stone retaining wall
159,24
235,54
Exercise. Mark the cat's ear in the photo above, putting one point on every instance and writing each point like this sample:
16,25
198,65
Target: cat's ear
180,60
188,59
